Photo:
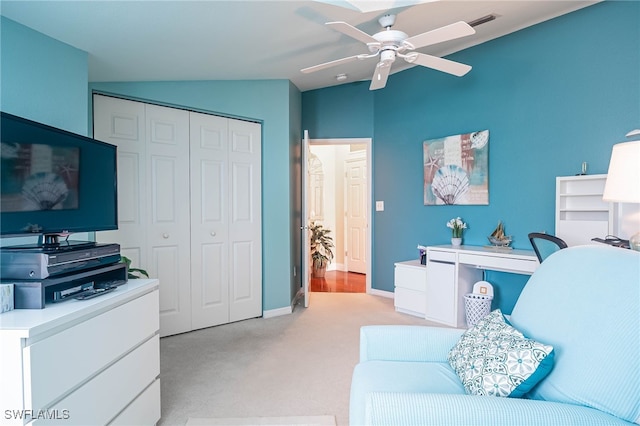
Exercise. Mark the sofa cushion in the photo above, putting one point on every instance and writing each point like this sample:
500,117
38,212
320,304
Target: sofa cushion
398,376
493,358
585,301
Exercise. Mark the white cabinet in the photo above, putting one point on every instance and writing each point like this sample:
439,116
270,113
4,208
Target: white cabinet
441,291
581,214
83,362
447,283
189,208
410,279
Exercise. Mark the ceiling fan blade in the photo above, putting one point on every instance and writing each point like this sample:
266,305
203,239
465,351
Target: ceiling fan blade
351,31
380,75
329,64
440,64
449,32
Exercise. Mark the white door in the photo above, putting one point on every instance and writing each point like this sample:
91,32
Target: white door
168,200
306,237
356,214
209,220
226,238
245,242
189,196
122,123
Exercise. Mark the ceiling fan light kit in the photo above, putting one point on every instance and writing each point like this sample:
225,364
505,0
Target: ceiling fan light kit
389,44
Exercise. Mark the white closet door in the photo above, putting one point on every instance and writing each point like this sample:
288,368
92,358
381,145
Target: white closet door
122,123
245,237
168,235
209,220
189,197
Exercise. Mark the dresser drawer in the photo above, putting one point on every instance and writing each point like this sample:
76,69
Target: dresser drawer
145,410
102,398
56,365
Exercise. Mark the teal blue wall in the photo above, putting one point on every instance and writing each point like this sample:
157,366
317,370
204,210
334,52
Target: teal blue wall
42,79
269,102
47,81
552,95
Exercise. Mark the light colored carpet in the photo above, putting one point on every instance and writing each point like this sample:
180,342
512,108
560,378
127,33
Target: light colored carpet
265,421
291,365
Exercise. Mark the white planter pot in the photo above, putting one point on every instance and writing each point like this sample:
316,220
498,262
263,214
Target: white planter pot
456,242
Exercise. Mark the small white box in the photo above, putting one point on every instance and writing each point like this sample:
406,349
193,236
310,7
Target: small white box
6,297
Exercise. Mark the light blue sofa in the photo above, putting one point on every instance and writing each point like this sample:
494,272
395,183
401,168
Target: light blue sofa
584,301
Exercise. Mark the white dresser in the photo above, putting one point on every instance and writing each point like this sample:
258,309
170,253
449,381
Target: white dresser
91,362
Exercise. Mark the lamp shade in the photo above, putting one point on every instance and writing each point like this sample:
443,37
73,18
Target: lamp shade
623,178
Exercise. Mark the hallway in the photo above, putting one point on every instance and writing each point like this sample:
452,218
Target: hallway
340,282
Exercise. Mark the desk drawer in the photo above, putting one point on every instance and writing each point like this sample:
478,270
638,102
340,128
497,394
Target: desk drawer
411,277
520,266
441,256
410,300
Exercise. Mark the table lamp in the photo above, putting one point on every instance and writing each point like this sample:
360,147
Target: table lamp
623,179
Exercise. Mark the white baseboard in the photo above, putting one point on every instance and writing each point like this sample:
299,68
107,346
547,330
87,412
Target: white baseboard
277,312
286,310
382,293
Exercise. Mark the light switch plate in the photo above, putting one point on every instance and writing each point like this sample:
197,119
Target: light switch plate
379,206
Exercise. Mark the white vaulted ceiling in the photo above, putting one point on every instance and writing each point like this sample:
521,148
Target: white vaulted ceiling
253,40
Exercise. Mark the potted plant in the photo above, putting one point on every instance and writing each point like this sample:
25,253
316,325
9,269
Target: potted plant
457,228
133,273
321,249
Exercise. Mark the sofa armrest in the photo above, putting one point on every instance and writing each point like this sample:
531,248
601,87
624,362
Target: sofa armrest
407,343
439,409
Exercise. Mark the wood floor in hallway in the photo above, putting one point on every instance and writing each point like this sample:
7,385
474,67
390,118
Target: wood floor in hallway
340,282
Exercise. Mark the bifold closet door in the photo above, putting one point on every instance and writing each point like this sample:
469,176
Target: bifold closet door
189,206
122,123
226,236
168,239
153,197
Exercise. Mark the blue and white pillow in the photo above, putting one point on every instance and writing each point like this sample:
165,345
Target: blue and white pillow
493,358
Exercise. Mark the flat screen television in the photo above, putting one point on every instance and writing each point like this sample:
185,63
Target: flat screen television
54,183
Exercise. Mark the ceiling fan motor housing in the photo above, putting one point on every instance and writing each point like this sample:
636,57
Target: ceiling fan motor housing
387,56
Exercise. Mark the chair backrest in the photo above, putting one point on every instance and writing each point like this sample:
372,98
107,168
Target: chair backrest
585,302
544,244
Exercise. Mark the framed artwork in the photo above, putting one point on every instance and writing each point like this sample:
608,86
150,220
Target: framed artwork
456,169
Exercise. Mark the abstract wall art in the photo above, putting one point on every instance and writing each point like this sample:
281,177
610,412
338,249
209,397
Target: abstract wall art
456,169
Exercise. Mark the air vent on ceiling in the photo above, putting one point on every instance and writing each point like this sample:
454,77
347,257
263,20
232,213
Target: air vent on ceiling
483,20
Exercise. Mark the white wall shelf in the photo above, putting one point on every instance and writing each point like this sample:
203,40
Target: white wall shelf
581,214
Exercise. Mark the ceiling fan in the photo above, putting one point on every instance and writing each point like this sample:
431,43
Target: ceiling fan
391,44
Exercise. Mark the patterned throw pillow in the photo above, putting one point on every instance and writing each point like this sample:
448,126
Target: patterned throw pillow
493,358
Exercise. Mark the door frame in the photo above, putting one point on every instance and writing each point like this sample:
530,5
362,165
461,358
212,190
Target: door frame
368,142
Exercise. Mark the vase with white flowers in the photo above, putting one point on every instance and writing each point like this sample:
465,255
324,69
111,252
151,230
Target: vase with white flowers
457,228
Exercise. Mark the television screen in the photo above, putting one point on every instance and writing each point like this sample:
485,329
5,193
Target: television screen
53,181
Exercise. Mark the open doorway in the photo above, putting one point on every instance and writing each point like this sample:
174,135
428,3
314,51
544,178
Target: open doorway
339,198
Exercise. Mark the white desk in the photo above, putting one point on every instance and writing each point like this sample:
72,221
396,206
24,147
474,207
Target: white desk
452,272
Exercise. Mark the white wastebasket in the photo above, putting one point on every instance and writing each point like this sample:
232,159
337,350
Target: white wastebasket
477,306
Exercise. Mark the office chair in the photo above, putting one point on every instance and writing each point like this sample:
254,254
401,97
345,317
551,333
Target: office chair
544,244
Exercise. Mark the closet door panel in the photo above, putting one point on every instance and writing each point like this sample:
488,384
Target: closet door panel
168,201
209,220
245,234
122,123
